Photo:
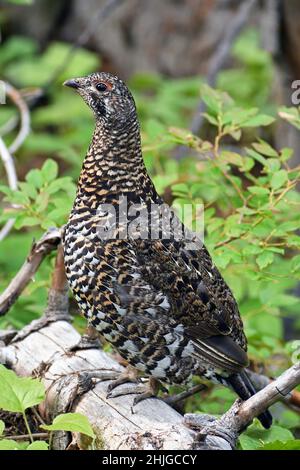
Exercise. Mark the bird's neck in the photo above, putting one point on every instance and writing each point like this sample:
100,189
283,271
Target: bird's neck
113,167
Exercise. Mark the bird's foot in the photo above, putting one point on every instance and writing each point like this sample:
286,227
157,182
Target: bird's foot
86,342
150,390
173,400
130,375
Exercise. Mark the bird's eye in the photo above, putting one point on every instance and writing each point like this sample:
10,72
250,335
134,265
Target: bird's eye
101,86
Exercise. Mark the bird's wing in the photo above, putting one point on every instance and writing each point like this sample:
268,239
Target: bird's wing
199,296
200,300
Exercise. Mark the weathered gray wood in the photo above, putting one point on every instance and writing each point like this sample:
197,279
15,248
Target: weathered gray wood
46,353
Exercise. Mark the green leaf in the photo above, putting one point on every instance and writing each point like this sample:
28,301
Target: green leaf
24,221
19,393
211,119
279,178
259,120
265,149
295,264
292,115
285,154
38,445
49,170
10,444
73,422
248,442
273,164
256,438
259,158
212,99
293,444
34,177
264,259
232,157
154,129
180,188
2,426
258,190
21,2
17,47
28,189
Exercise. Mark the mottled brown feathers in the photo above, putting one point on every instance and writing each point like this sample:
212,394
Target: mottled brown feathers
164,307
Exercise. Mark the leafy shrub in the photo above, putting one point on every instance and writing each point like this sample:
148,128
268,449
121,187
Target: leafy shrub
17,395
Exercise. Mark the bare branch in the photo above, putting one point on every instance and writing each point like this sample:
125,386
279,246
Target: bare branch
38,251
272,393
260,381
21,437
24,130
223,432
6,152
9,165
10,170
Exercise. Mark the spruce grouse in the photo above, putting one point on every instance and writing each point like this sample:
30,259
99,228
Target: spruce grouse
160,302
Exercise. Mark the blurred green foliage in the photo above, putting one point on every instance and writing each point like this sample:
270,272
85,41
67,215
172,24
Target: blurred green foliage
249,192
248,82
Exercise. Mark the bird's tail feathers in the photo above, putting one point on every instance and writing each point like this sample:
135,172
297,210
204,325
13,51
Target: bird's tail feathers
244,388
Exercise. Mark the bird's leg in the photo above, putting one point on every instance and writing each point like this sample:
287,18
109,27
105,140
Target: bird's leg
89,340
130,375
173,400
151,389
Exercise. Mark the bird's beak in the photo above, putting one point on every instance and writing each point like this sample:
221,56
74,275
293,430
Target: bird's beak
72,83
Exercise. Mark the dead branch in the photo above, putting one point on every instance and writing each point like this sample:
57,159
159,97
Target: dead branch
38,251
292,400
20,103
6,152
10,170
223,433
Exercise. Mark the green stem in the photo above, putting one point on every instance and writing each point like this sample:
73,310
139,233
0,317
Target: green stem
27,426
50,439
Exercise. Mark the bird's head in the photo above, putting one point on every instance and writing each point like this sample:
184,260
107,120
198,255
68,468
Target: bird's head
107,96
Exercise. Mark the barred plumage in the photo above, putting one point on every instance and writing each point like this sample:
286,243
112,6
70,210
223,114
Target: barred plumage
163,306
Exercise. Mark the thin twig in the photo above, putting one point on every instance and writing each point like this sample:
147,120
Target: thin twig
6,152
38,251
21,437
38,416
10,170
24,130
9,165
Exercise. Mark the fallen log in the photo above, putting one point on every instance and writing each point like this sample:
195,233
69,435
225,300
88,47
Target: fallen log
67,373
